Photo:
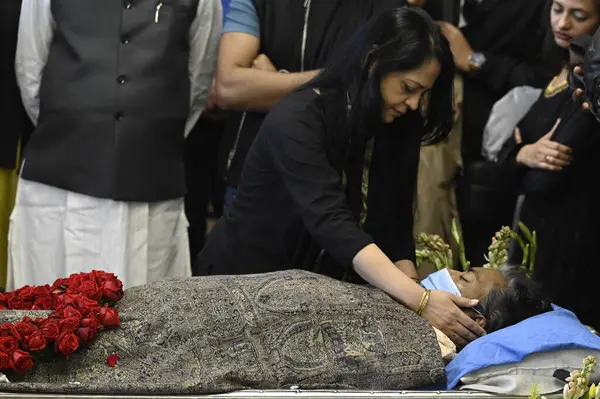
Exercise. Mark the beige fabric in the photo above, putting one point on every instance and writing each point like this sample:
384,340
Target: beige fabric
436,199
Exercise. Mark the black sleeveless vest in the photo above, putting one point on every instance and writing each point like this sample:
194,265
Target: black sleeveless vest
114,100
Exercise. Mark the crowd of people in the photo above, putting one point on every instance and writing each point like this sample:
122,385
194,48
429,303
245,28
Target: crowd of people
321,134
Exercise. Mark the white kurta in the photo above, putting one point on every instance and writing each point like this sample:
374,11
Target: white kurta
55,232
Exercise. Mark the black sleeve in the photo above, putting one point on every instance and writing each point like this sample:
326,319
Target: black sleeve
500,73
295,139
579,131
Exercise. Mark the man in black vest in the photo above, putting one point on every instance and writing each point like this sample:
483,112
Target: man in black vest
271,47
113,87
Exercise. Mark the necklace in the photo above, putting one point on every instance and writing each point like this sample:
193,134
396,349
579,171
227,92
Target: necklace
558,84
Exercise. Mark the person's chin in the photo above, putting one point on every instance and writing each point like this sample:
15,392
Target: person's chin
562,43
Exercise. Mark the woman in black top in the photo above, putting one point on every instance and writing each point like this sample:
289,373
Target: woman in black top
330,180
553,155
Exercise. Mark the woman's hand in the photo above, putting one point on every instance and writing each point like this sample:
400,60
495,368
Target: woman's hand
460,47
578,93
443,312
545,153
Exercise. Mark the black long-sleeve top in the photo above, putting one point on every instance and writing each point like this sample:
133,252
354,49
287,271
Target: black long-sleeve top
292,201
511,35
562,206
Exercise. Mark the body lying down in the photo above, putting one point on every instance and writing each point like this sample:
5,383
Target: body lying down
271,331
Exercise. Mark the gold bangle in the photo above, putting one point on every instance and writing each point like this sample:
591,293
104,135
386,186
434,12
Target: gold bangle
423,303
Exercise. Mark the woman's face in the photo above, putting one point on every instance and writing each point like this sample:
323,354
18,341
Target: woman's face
401,91
573,18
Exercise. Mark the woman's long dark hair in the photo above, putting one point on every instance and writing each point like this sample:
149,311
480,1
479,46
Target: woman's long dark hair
397,40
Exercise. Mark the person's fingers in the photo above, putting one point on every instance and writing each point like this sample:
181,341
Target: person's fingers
578,70
560,152
463,331
553,145
455,337
554,161
463,302
473,330
549,135
465,320
585,106
548,166
517,135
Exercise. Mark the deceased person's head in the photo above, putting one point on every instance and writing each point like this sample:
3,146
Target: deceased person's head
506,295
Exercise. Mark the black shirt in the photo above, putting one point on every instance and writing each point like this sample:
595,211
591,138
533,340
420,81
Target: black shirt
292,202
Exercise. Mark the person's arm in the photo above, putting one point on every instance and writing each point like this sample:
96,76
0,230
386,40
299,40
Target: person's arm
205,33
36,32
501,73
579,132
295,142
239,85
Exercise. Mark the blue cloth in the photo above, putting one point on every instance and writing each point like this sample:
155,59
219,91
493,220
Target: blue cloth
556,330
225,4
441,281
242,17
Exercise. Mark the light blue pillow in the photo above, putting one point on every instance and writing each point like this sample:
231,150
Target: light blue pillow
556,330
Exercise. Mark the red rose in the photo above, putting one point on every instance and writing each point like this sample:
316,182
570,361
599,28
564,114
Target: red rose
41,291
50,330
9,330
36,341
25,293
4,361
91,321
85,304
43,303
25,328
87,334
66,343
112,360
21,361
75,281
101,276
15,303
66,299
60,284
109,317
68,325
8,344
112,290
91,290
70,311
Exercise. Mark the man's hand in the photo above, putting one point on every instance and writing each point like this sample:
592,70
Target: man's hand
545,153
461,49
263,63
416,3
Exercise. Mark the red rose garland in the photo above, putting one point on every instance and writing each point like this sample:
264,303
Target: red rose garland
81,309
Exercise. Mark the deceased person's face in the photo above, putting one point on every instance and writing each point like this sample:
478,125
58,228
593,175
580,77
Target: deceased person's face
476,283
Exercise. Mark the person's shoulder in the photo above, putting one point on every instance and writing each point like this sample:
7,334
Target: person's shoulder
303,102
300,115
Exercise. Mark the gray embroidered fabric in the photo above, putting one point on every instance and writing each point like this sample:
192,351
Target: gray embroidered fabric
271,331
